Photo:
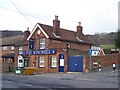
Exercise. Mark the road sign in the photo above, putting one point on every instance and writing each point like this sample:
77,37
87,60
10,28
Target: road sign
89,51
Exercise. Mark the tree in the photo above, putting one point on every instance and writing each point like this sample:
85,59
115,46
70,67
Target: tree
117,41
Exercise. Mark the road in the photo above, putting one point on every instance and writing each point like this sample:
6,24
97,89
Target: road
104,79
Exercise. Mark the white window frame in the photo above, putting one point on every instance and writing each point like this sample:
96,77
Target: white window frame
20,49
20,52
12,48
4,48
42,43
53,60
42,62
4,60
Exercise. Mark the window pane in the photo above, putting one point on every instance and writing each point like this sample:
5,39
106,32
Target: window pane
4,47
42,43
12,47
4,60
42,40
42,46
20,48
41,62
20,52
54,62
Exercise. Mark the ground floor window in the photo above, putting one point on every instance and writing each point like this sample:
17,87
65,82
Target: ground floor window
41,61
4,60
53,61
26,62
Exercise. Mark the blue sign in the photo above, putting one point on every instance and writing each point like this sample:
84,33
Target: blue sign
23,52
28,52
33,52
89,51
61,56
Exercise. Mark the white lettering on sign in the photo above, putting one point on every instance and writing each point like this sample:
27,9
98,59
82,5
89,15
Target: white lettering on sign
61,62
53,51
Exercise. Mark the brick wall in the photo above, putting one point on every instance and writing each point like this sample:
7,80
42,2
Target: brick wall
105,60
5,51
83,47
7,67
60,46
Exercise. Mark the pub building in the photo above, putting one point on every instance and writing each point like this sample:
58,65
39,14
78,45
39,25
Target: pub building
47,48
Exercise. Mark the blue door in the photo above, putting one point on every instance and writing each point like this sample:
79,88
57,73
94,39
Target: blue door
75,64
61,63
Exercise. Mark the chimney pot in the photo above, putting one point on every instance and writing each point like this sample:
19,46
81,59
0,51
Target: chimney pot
79,29
56,17
28,28
27,33
79,23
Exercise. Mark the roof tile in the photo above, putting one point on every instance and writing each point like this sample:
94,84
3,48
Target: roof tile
65,34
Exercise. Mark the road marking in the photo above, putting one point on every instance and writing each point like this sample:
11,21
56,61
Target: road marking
28,85
9,81
88,79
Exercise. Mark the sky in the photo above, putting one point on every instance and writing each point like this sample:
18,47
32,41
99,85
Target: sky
96,16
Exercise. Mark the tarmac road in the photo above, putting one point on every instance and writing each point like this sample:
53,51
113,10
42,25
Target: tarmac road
105,79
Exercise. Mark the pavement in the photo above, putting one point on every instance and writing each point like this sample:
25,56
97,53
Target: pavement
106,72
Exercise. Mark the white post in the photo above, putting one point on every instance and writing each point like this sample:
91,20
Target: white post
90,63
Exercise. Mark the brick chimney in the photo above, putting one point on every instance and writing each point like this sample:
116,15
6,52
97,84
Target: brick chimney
56,26
79,29
27,33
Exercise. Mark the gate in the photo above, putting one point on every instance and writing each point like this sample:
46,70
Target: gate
75,63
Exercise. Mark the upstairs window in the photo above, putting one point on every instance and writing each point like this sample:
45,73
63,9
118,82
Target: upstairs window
42,43
12,48
31,44
4,48
20,49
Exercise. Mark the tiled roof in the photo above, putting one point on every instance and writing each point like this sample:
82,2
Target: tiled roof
65,34
8,55
16,40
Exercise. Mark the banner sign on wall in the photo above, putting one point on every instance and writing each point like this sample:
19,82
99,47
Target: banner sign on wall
37,52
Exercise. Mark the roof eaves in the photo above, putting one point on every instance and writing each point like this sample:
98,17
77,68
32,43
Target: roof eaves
37,26
55,35
79,40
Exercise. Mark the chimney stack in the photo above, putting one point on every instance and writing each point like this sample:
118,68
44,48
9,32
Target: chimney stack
27,33
79,29
56,26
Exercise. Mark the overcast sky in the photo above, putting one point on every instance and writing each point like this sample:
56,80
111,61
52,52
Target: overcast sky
96,16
